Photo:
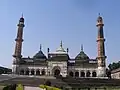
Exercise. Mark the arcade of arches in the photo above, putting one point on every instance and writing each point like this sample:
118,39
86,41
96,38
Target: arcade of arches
56,72
32,72
83,74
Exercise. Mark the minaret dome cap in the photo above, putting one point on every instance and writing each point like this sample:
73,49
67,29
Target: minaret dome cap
22,19
99,18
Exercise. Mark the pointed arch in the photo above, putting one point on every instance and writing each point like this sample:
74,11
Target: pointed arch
27,71
94,74
82,74
88,74
22,72
77,74
43,72
71,74
37,72
32,72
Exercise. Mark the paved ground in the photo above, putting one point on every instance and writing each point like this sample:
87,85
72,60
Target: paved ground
31,88
5,77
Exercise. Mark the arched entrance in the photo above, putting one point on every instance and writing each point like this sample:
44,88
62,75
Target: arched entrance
27,72
71,74
57,72
94,74
32,72
37,72
82,74
43,72
76,74
22,72
88,74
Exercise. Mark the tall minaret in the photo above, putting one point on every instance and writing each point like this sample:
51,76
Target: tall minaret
18,48
19,40
101,48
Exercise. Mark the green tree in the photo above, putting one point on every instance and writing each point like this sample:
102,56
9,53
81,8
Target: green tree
114,65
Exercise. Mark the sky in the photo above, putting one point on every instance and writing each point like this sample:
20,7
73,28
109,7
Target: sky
47,22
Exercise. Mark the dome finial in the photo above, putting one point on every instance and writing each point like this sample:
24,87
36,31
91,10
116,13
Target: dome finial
22,15
98,14
61,43
40,47
81,47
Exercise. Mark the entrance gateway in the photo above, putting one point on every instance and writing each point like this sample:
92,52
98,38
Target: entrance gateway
57,72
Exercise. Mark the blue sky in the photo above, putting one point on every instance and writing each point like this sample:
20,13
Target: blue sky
47,22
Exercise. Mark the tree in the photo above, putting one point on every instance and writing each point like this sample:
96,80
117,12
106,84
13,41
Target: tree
114,65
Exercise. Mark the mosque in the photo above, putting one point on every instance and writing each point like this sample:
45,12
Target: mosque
59,63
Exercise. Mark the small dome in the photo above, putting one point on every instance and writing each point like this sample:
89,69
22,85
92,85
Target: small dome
81,55
99,18
21,19
39,55
60,49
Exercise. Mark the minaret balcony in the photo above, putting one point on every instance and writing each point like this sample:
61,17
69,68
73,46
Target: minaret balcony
99,24
100,39
17,39
101,57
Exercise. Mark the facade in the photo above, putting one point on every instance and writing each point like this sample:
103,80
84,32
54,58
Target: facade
58,62
115,73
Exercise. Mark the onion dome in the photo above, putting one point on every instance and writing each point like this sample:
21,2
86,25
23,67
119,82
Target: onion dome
99,18
39,55
21,19
82,55
60,49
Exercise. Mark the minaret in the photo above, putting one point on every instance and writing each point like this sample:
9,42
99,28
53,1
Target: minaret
19,40
101,48
18,48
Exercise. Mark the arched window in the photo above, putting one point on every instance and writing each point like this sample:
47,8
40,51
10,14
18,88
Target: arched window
88,74
94,74
27,72
37,72
32,72
22,72
43,72
71,74
82,74
76,74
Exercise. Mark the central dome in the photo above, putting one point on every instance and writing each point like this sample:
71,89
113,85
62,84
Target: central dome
39,55
82,55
